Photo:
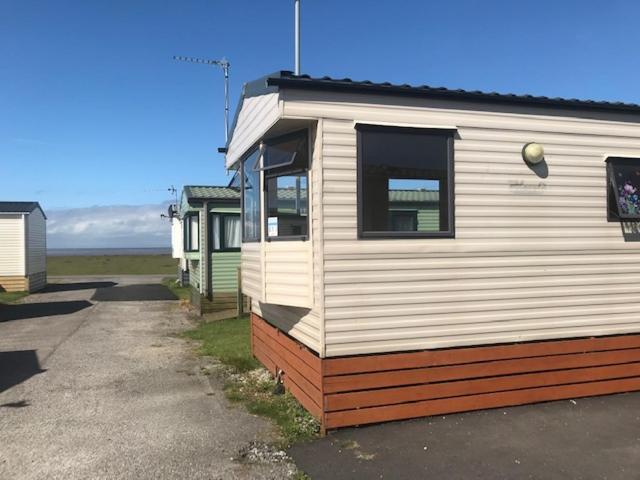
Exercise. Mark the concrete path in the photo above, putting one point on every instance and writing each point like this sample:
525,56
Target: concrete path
104,390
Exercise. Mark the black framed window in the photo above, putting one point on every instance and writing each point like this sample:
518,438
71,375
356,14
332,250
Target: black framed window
405,182
251,197
191,224
286,166
623,188
225,232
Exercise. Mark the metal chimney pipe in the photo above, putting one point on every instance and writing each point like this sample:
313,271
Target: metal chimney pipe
297,36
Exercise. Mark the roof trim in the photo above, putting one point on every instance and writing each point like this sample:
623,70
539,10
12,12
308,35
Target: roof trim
20,208
286,79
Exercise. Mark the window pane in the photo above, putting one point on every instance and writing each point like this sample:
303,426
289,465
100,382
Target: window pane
215,229
287,205
626,174
194,231
404,180
231,231
251,198
290,150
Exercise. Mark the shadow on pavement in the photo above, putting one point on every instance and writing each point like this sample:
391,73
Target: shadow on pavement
133,293
44,309
16,367
68,287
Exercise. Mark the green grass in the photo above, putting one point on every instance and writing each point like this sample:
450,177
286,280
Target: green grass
248,383
12,297
183,293
228,341
112,265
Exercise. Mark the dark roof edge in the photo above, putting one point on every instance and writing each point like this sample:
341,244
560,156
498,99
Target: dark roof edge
30,206
286,79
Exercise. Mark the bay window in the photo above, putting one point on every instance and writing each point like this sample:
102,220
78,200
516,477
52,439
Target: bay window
405,182
285,166
251,198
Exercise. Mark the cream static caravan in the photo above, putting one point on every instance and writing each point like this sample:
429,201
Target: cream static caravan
23,247
444,251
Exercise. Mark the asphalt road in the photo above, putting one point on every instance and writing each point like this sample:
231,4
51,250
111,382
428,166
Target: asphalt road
594,438
103,389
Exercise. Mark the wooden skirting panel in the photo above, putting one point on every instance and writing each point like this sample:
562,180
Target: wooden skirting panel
301,368
364,389
13,284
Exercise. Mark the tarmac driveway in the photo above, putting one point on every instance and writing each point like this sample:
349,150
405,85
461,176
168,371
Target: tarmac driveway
591,438
103,389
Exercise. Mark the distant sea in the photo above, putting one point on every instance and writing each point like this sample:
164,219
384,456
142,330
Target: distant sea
60,252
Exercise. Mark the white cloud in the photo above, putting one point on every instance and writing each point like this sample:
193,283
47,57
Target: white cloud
111,226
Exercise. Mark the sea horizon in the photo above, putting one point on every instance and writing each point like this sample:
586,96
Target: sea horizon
61,252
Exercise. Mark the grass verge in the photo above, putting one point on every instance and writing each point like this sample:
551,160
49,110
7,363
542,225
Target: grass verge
111,265
248,383
183,293
12,297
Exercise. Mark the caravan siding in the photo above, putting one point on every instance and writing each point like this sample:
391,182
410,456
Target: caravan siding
224,273
36,243
257,115
532,258
12,246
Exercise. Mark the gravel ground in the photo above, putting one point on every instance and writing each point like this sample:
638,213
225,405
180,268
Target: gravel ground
105,390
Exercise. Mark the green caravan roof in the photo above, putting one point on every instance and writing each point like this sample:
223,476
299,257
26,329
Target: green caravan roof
208,192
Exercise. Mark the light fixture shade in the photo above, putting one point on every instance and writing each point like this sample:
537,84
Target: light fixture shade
533,153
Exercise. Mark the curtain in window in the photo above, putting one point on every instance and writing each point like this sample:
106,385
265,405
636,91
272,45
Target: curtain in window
194,231
232,231
216,232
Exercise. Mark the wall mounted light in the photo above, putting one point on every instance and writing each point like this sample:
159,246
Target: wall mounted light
533,153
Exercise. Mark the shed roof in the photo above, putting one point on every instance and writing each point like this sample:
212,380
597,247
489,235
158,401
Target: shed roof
211,192
20,207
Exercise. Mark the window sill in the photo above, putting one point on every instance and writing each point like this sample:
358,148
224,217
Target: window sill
293,238
403,235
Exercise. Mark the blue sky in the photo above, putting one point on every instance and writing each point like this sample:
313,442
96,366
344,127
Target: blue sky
96,113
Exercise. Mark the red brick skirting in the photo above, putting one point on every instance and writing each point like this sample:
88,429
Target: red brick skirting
363,389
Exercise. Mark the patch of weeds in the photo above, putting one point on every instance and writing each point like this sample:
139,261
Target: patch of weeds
12,297
298,475
248,383
182,292
255,390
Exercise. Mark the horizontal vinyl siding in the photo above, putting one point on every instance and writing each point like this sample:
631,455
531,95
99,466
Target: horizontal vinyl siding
533,258
225,271
251,269
257,115
288,273
36,242
12,246
303,324
195,274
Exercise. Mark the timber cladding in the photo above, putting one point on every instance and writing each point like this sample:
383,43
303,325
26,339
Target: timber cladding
358,390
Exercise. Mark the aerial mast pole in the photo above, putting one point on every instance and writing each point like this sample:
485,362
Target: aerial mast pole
224,64
296,7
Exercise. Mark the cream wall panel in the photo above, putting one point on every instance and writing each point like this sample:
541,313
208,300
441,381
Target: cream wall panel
257,115
12,245
533,258
251,270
